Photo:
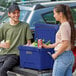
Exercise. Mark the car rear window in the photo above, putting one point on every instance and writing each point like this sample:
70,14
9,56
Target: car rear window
73,10
48,18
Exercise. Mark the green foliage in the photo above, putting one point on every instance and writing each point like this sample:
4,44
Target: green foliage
3,3
6,4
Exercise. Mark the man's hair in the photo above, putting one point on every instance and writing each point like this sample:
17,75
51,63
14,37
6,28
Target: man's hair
13,7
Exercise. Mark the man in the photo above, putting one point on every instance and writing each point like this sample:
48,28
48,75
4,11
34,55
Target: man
14,33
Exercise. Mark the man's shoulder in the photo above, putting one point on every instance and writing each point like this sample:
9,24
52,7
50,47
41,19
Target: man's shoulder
24,24
5,24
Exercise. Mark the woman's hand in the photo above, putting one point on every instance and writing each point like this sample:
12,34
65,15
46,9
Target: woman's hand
54,56
45,46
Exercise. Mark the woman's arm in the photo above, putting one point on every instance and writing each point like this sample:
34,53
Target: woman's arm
65,44
50,45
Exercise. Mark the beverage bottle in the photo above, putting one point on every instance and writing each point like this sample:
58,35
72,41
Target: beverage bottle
43,41
48,42
8,43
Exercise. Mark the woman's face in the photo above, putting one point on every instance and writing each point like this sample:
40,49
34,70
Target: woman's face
56,15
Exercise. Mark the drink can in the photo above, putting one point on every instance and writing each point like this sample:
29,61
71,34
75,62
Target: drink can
39,43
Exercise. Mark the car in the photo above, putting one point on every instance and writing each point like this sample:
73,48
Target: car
2,10
40,13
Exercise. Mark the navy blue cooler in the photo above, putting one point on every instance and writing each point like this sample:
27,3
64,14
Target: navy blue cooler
46,31
35,58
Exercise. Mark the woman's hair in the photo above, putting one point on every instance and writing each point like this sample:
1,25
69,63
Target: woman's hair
65,9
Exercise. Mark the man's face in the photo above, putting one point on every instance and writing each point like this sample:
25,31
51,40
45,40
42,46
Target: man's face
14,15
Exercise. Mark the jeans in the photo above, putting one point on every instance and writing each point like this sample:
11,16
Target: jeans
63,64
7,62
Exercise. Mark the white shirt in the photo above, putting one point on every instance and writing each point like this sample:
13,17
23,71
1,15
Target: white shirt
64,33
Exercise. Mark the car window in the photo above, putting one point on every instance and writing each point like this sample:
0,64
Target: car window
48,18
73,10
24,15
4,18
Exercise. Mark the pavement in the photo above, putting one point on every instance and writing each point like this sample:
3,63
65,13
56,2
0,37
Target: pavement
74,74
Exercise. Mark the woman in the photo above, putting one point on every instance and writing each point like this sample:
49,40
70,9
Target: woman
63,55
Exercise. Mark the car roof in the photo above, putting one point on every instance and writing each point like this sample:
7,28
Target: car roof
44,5
57,2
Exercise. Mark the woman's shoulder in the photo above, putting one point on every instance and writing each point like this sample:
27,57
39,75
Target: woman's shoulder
65,24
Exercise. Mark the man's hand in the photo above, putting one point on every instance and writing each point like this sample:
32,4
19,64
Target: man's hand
4,45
